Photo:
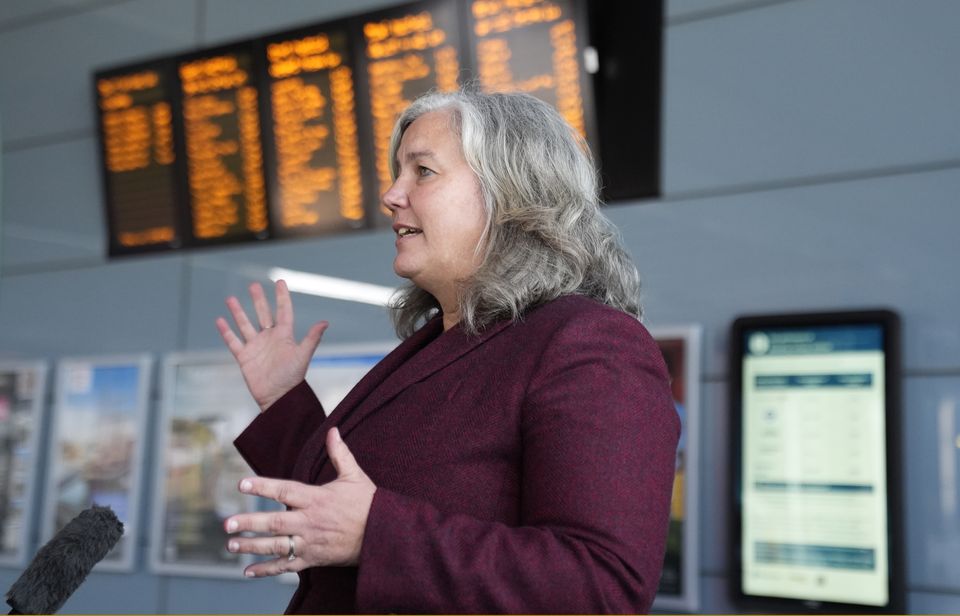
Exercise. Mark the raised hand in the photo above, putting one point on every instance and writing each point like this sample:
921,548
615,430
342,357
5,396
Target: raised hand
270,358
324,524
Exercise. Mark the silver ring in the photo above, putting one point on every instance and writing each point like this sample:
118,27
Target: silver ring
292,553
263,327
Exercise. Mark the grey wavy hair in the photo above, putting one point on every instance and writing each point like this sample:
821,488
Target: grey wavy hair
545,235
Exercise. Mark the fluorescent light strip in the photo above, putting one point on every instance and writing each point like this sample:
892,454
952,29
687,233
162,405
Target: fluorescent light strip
336,288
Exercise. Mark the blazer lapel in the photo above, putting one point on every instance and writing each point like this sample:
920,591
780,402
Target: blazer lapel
388,379
395,358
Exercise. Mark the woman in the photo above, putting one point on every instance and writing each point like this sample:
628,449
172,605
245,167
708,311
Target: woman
516,452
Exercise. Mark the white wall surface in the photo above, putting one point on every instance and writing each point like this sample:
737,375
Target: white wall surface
811,160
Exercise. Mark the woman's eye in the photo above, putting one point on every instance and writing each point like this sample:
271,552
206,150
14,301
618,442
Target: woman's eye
422,171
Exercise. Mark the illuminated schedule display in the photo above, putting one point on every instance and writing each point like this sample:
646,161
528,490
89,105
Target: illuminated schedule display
503,32
288,134
224,155
408,52
314,152
136,131
817,508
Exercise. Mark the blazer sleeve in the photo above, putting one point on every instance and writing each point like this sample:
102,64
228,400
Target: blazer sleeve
272,442
599,434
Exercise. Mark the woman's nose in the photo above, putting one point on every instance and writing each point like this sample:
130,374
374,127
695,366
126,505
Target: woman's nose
395,197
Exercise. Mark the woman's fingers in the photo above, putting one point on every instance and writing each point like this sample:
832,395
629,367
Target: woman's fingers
284,304
261,306
247,330
233,343
311,341
278,546
290,493
271,522
275,567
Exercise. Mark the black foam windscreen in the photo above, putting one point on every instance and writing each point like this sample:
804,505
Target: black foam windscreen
64,562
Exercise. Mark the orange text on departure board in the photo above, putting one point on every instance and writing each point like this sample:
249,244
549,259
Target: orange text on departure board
310,54
138,149
216,97
404,50
496,19
303,122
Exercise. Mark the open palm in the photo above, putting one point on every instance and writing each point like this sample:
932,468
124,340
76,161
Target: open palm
270,358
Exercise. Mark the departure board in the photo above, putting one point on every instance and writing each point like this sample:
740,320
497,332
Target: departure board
408,52
137,149
288,134
503,33
314,152
224,155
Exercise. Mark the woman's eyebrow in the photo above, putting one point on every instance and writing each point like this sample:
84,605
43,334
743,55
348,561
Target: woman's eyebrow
419,154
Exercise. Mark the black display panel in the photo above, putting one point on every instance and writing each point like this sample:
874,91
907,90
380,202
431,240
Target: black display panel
288,134
533,47
138,156
223,151
311,131
407,51
815,402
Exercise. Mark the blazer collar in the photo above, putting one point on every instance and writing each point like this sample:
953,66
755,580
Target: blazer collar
427,351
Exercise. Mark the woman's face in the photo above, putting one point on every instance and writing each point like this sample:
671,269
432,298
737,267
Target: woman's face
437,208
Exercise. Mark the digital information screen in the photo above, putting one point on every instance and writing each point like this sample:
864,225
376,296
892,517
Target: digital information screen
407,52
312,132
814,484
224,156
502,35
288,134
138,154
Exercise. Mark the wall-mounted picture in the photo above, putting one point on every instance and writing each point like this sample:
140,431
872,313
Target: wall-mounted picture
678,589
205,406
22,388
96,451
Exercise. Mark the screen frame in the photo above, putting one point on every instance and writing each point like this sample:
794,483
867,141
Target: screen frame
889,322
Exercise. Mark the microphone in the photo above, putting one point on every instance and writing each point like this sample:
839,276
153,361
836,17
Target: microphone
63,563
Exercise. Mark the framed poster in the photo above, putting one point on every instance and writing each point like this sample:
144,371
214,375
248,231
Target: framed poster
96,451
815,416
679,583
22,391
205,406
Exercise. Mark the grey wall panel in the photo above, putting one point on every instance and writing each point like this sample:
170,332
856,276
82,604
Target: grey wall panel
931,434
24,248
685,8
13,12
116,593
198,596
232,19
808,88
715,595
54,203
889,241
715,486
133,306
932,603
52,62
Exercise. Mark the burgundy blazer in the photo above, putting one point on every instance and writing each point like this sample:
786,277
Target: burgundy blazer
526,470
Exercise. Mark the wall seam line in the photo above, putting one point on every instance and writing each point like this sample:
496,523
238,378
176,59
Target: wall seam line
706,14
55,14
